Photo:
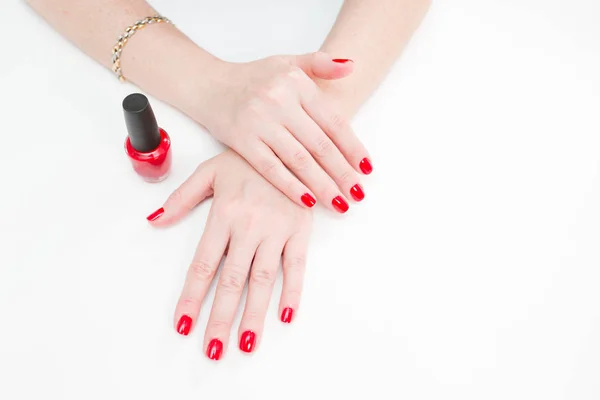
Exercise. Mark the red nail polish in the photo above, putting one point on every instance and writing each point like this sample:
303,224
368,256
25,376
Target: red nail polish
156,214
365,166
341,60
308,200
215,349
357,192
184,325
286,315
147,146
247,341
340,204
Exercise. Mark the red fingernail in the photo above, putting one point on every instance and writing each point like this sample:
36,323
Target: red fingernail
286,315
308,200
247,341
215,349
357,192
365,166
184,325
340,204
156,214
341,60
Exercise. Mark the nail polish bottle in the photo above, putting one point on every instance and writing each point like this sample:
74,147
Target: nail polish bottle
147,146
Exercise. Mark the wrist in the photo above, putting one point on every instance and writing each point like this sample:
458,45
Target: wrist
200,87
165,62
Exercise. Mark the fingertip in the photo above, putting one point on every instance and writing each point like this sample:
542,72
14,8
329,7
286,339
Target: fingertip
343,61
154,216
161,218
184,325
365,166
286,315
343,67
340,204
308,200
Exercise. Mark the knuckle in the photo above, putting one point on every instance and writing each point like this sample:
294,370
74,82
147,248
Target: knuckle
253,316
217,325
232,282
275,92
263,277
190,303
300,161
338,122
252,107
293,293
295,73
245,223
324,148
296,263
177,198
268,167
201,270
227,212
346,178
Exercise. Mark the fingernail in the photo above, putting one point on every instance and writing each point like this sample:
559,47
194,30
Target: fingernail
340,204
156,214
357,192
308,200
247,341
215,349
341,60
286,315
365,166
184,325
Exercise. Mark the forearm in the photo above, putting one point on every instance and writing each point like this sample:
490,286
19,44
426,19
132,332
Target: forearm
373,33
159,58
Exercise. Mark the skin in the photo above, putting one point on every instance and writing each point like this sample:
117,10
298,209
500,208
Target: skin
286,116
257,226
278,103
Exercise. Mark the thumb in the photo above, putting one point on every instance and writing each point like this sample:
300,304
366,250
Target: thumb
192,192
322,65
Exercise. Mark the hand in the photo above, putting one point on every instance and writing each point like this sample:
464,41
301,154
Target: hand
256,225
273,114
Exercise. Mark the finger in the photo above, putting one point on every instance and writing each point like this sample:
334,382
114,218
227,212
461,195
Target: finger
229,290
297,158
260,288
337,128
201,273
322,65
326,154
192,192
294,266
272,169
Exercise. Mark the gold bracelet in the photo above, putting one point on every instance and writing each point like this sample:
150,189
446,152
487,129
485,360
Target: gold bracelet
122,41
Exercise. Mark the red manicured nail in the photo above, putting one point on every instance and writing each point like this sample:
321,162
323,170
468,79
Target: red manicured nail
308,200
357,192
340,204
247,341
184,325
365,166
156,214
341,60
286,315
215,349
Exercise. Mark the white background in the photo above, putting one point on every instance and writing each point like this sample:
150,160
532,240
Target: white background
471,271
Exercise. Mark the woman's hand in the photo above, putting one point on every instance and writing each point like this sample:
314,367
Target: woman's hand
273,114
256,226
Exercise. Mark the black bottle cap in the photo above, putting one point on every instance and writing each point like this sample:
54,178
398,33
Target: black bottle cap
142,128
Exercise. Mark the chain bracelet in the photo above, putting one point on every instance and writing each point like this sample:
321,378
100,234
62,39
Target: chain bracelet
122,41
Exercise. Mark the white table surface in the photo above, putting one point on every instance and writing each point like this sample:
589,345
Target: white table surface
471,271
